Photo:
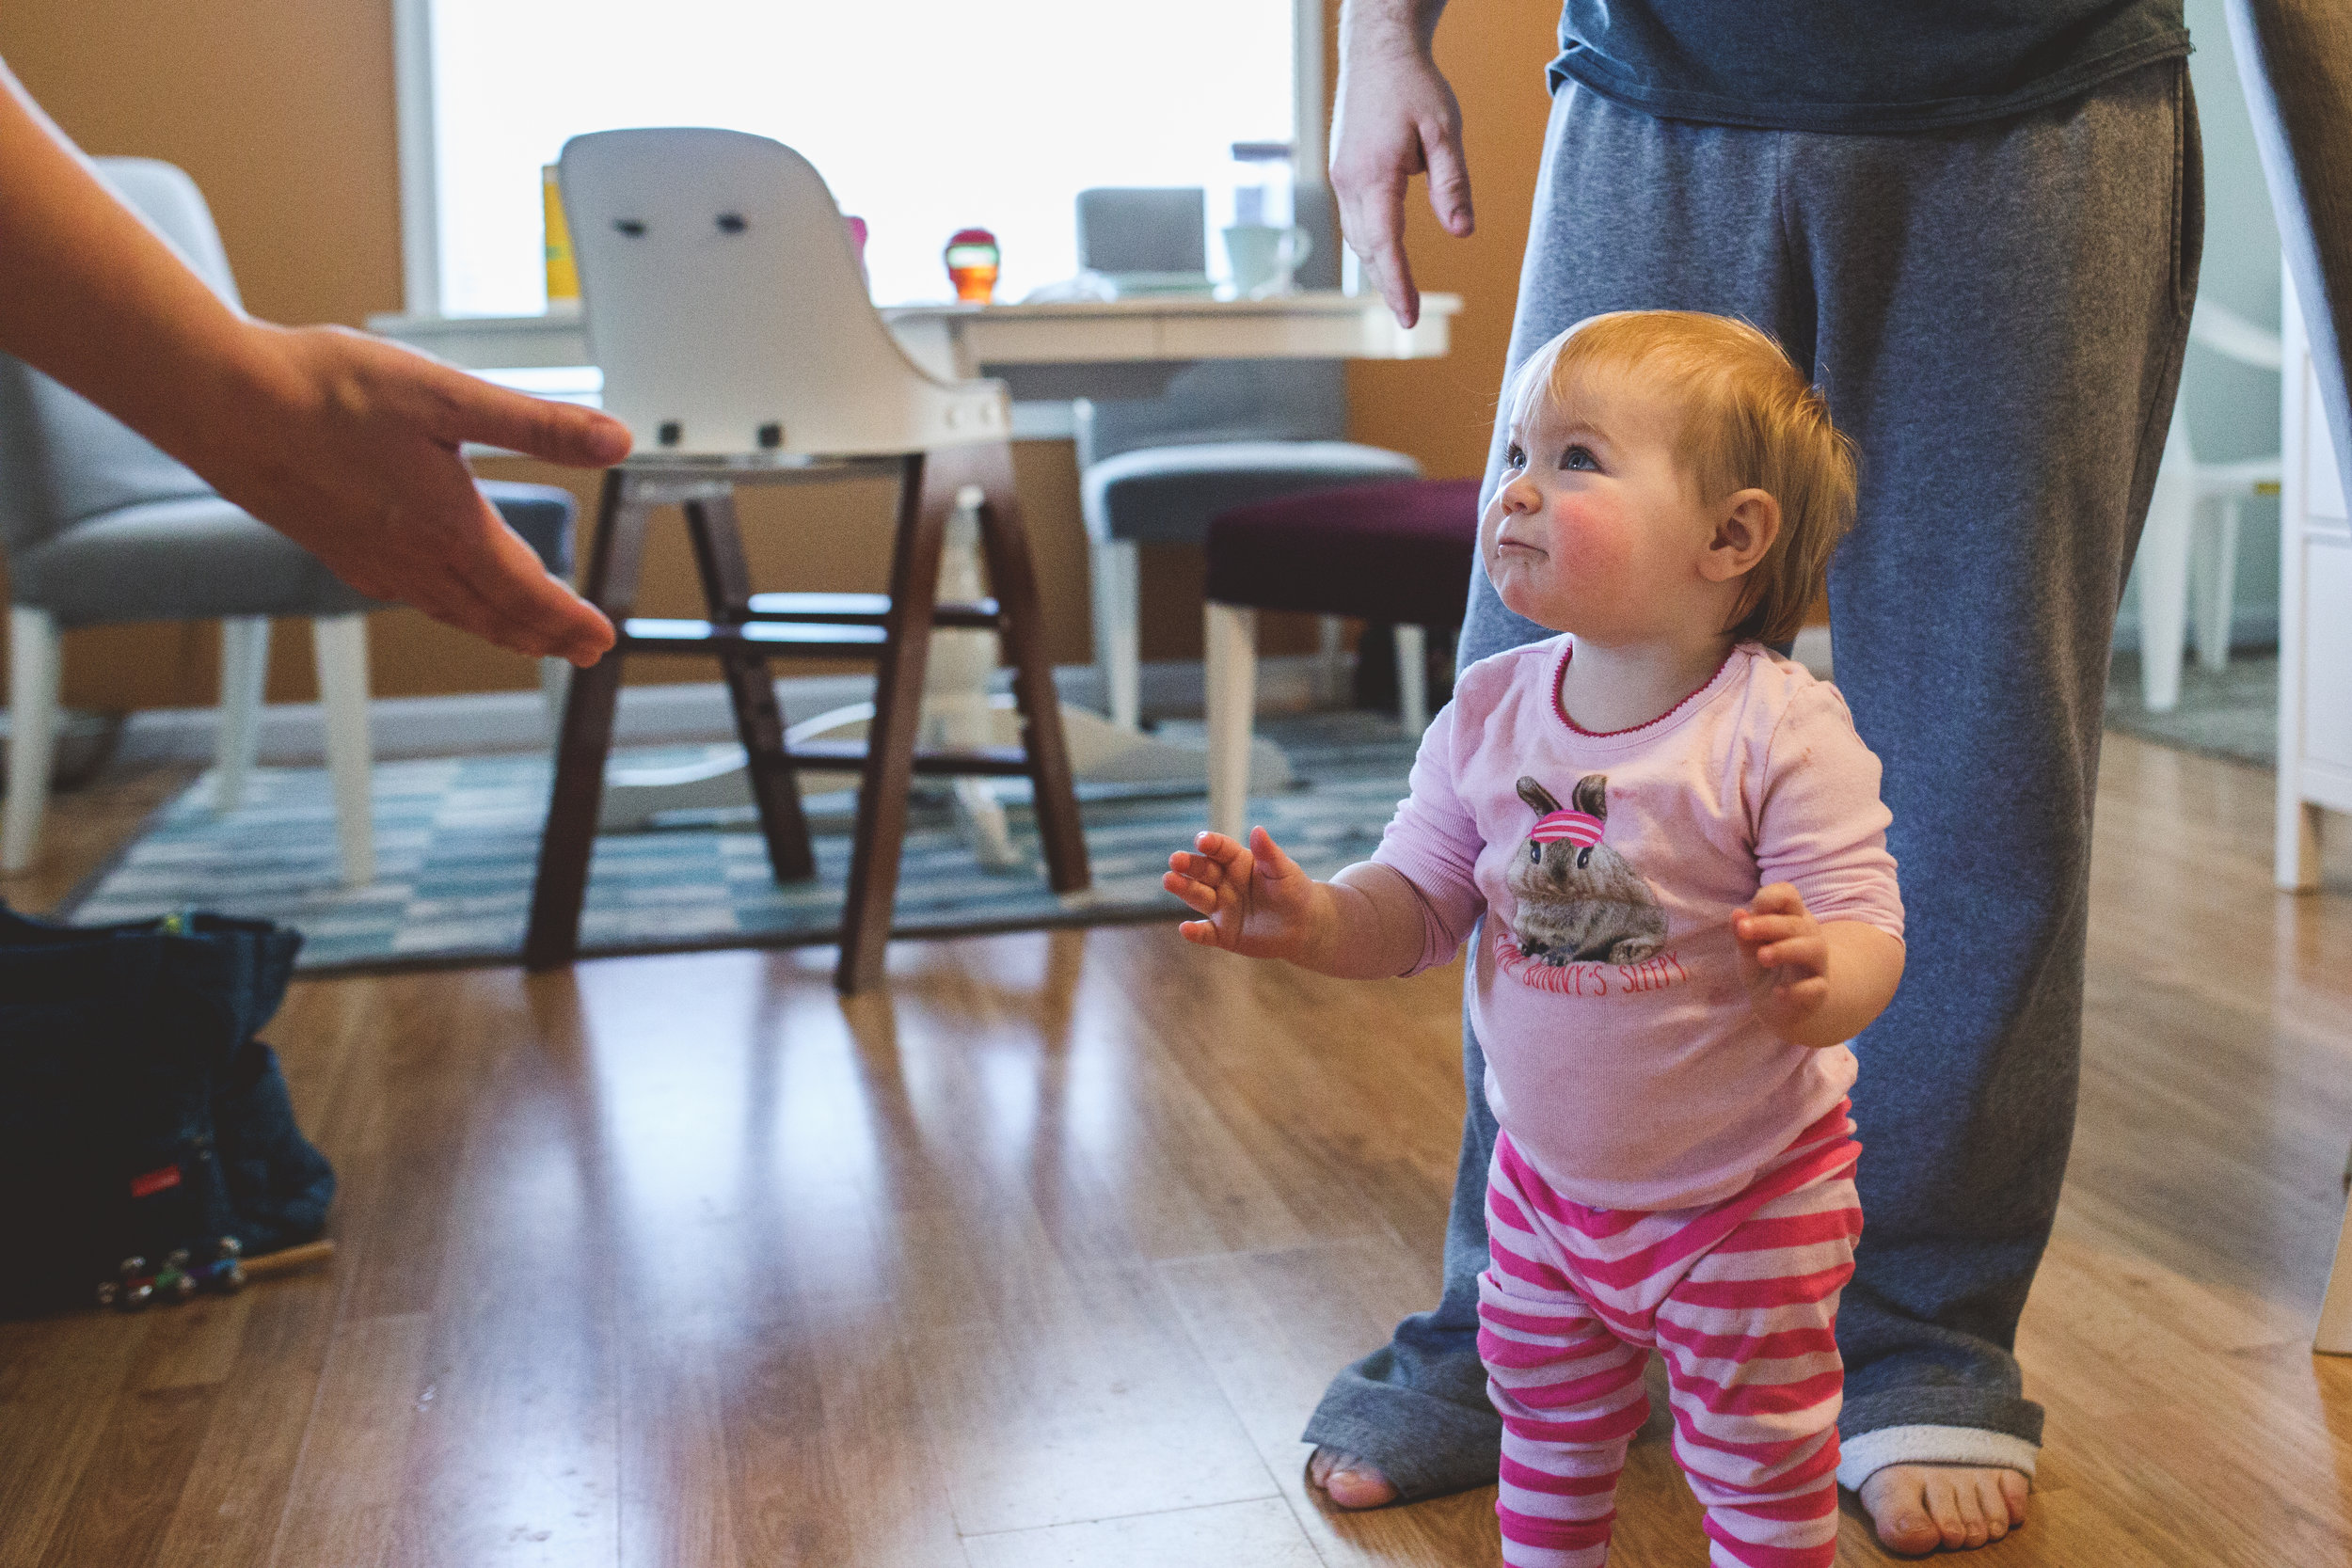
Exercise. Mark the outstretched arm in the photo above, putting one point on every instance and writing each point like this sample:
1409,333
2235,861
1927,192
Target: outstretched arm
1812,984
1395,116
1365,924
346,444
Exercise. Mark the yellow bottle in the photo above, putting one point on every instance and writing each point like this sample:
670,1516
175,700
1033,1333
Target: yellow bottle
563,275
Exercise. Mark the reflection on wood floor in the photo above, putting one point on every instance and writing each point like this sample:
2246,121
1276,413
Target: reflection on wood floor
1042,1256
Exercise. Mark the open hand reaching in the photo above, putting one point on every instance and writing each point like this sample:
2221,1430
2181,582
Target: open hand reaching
1257,901
1784,957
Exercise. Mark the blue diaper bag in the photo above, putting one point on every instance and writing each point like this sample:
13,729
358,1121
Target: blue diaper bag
138,1113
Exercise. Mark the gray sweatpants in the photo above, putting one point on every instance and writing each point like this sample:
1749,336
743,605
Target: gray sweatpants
1997,315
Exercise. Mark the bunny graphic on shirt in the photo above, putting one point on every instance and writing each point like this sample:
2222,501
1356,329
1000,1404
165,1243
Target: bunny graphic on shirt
1579,900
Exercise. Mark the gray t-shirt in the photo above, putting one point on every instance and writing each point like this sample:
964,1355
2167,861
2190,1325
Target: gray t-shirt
1856,65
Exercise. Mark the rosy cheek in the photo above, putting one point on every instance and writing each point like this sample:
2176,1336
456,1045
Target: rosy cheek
1591,542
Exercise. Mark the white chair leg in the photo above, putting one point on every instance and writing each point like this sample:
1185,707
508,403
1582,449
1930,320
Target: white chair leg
243,672
33,671
1231,633
2201,581
2296,857
2163,574
1118,644
2212,636
1331,660
1412,678
2334,1335
340,644
555,684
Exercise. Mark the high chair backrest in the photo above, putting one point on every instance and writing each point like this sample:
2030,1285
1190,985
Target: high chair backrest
725,308
63,459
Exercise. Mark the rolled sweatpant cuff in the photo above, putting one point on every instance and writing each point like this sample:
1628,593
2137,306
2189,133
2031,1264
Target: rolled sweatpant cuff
1427,1447
1861,1457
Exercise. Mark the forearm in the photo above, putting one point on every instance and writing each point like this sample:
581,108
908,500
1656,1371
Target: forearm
1865,964
1385,23
73,256
1373,927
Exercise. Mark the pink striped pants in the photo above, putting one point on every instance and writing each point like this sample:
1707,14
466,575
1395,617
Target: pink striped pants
1742,1299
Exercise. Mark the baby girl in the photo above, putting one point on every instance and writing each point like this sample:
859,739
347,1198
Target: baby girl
1666,845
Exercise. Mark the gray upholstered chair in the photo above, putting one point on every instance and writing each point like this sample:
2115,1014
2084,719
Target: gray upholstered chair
101,527
1225,434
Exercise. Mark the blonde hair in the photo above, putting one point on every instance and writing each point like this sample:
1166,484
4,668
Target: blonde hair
1750,420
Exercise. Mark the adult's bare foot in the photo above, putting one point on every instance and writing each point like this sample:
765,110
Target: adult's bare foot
1348,1480
1919,1507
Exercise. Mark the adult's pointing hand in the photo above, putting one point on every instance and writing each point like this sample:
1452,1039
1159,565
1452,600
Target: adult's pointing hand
1395,116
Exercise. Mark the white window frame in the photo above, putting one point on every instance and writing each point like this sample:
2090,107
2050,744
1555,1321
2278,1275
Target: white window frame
420,205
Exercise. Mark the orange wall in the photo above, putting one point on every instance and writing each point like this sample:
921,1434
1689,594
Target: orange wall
284,111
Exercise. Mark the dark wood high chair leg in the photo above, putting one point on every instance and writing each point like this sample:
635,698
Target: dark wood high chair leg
926,496
895,632
1012,579
569,837
727,590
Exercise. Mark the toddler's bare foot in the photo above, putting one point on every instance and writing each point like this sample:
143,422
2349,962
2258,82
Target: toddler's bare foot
1349,1482
1919,1507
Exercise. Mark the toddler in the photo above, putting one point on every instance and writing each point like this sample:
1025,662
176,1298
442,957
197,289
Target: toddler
1667,846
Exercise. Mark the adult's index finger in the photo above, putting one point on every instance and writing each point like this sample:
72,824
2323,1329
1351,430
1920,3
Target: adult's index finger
565,433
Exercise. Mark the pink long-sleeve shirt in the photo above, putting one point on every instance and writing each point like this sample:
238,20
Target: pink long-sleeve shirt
1622,1054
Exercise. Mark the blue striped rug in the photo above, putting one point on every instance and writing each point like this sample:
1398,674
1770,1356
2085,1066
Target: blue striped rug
457,843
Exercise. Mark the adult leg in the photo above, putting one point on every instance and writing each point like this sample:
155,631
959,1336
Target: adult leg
1632,213
2002,318
1415,1412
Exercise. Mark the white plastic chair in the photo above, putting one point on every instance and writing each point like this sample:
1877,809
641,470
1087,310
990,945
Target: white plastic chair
725,305
2177,554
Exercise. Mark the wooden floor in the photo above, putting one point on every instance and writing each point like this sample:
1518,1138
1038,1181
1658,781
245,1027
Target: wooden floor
1042,1256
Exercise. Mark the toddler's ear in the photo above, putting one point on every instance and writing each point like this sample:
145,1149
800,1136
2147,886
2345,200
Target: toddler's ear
1745,526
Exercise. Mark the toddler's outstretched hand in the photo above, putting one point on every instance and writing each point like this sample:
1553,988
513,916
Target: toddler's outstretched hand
1258,902
1784,957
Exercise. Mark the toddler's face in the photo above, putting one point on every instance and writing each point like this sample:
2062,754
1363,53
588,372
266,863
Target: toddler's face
1595,525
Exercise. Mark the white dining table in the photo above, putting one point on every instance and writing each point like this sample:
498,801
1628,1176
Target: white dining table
1044,352
1049,355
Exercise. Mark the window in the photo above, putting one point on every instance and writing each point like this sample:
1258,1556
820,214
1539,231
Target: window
924,116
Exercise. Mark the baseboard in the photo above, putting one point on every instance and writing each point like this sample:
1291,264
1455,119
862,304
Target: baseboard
292,733
2250,629
660,715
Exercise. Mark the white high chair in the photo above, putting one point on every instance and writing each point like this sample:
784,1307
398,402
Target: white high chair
725,305
2176,554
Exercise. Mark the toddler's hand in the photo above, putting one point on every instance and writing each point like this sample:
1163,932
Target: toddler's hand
1259,902
1783,957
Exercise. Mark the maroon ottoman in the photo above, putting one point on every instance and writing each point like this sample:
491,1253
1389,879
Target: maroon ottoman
1399,553
1395,553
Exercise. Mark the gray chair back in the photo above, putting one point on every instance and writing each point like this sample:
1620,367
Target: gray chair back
1160,230
1215,399
63,460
